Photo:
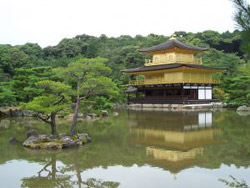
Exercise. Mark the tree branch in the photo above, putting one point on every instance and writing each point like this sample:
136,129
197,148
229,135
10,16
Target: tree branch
90,92
46,120
58,102
241,4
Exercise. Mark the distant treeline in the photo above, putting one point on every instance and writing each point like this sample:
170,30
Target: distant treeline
122,52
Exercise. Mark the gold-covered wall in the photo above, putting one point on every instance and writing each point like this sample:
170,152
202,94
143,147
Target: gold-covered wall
171,155
150,77
173,57
177,77
177,139
189,77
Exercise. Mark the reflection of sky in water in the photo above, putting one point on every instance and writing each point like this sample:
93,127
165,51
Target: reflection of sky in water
17,170
134,176
147,176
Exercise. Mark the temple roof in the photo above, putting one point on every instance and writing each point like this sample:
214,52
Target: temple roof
169,66
131,89
170,44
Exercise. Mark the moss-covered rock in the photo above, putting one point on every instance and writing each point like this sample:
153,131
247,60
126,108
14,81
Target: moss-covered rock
60,142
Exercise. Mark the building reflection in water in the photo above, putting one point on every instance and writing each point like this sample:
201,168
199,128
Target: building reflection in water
177,142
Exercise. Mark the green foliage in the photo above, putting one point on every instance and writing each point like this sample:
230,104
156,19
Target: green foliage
11,58
24,82
55,98
23,66
7,97
242,18
237,87
217,58
92,75
101,103
89,77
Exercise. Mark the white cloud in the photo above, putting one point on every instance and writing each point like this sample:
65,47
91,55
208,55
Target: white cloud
48,21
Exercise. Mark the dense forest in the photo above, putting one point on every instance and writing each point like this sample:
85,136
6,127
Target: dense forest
22,66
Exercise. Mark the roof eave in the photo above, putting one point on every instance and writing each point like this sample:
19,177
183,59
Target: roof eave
137,70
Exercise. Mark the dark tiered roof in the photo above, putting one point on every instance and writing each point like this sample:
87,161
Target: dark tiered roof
169,66
170,44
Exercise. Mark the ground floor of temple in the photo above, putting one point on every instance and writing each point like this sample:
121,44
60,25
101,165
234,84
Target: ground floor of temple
171,94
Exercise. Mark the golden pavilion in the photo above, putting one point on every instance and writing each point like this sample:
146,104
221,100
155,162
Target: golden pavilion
173,76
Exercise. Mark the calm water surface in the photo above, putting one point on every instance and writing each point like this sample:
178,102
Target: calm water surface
136,149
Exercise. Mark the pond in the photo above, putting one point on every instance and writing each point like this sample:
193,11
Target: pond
136,149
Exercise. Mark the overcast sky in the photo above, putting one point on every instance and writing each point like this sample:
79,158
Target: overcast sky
46,22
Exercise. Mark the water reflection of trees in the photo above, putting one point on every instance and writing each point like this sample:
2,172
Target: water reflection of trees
234,182
94,183
49,176
62,176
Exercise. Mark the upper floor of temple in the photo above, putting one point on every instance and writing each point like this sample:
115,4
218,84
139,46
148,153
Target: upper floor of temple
173,51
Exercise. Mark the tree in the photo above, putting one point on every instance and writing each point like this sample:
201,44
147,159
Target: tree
242,17
237,88
24,82
7,97
88,77
55,99
11,58
220,59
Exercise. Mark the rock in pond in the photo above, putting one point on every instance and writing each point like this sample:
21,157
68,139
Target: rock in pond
13,140
67,142
32,133
60,142
243,108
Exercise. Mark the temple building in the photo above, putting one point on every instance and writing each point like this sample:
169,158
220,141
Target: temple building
173,76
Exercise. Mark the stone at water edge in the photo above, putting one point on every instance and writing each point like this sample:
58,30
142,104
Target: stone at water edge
88,117
115,114
80,115
67,142
243,108
105,113
16,113
85,136
34,139
92,115
29,113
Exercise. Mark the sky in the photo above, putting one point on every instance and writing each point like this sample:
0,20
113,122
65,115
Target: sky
46,22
